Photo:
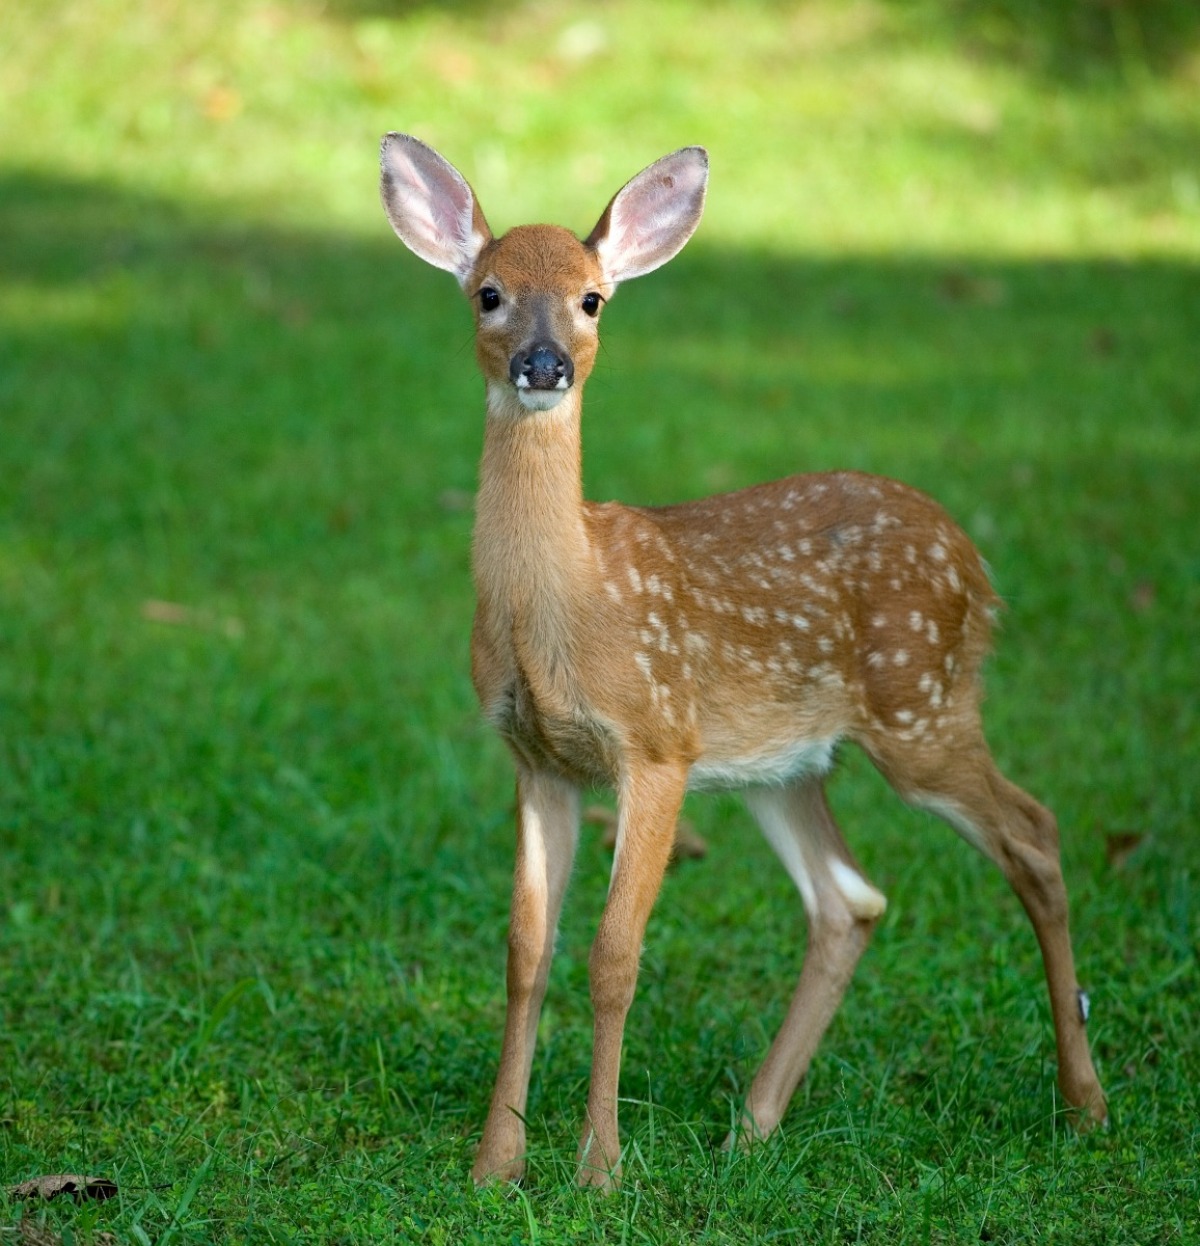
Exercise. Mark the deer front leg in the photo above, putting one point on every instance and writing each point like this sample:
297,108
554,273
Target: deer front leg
649,799
547,832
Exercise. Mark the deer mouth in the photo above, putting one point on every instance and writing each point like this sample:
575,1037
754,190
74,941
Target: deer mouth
540,399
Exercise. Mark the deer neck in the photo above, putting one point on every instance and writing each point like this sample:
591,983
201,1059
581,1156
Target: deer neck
532,558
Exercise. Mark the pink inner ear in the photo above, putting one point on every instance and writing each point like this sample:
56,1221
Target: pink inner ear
452,209
444,196
653,216
430,205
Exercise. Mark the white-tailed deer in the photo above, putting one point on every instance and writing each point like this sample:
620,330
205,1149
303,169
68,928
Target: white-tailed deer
732,642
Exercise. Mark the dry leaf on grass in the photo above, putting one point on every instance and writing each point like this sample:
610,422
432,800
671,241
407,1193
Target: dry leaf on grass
688,846
1119,846
29,1234
175,614
1143,596
81,1189
456,500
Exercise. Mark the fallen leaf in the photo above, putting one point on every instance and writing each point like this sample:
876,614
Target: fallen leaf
30,1234
1143,596
605,818
174,614
456,500
1104,342
958,286
81,1189
1119,846
688,846
341,517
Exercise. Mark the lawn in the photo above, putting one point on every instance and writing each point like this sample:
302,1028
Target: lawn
255,843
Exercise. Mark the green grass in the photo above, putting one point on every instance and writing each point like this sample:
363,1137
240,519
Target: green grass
254,861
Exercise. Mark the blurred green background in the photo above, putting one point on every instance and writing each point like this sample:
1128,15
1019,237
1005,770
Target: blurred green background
254,842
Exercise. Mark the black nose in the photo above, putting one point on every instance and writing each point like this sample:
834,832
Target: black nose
542,367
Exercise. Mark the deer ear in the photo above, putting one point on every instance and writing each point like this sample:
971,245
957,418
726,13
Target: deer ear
432,209
652,216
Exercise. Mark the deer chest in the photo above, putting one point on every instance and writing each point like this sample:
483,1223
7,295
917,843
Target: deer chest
542,715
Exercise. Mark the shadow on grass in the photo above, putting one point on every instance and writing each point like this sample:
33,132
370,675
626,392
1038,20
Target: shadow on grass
281,430
153,350
1090,44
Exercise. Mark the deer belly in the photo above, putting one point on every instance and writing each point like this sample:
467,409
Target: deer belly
724,769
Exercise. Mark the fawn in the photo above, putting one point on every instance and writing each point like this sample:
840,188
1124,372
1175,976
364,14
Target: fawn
730,642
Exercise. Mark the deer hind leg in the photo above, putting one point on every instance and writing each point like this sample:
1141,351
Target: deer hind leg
964,787
842,909
649,798
547,832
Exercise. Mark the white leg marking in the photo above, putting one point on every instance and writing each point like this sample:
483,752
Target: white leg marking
768,806
863,899
533,859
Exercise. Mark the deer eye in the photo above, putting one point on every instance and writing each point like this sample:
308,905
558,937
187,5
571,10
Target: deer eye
489,299
591,303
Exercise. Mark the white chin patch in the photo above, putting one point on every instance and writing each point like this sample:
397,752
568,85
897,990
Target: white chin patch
540,399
